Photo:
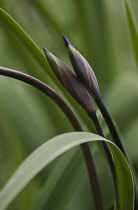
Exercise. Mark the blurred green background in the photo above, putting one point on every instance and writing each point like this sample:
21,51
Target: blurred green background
100,30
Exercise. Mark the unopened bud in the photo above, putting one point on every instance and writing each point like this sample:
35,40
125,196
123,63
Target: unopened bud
83,70
70,82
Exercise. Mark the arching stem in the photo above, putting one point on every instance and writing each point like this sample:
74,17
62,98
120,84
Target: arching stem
73,120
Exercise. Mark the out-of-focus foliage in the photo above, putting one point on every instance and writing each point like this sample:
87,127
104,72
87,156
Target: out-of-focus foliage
105,33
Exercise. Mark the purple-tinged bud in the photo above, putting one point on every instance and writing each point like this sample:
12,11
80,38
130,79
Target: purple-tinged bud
83,70
70,82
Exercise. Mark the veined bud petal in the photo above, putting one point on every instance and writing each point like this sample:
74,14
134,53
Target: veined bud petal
83,70
70,82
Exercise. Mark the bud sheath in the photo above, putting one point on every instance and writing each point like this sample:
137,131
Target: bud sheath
83,70
70,82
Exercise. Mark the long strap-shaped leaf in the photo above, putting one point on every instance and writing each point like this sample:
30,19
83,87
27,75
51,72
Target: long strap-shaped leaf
50,150
25,38
133,25
32,47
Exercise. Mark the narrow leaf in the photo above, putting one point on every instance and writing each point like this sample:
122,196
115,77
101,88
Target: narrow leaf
50,150
40,58
133,25
24,37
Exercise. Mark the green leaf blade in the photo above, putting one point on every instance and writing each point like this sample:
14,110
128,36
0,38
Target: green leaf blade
40,58
50,150
133,25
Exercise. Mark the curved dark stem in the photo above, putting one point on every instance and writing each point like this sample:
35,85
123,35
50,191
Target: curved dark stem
46,90
73,120
95,120
92,172
136,200
110,125
106,149
116,138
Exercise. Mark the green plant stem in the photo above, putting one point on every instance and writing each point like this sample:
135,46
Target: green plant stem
73,120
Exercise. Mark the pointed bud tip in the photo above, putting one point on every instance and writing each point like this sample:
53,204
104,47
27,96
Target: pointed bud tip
45,50
66,41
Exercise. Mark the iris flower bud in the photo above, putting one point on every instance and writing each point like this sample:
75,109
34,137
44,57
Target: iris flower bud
70,82
83,70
